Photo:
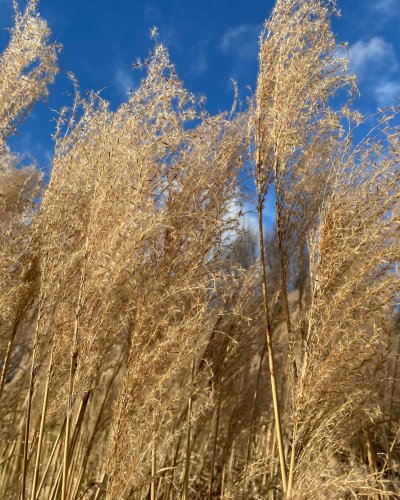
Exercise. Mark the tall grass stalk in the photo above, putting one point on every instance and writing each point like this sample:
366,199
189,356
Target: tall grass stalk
268,335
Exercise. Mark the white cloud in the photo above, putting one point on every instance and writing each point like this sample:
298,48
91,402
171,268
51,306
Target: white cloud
367,58
376,64
387,92
124,80
241,41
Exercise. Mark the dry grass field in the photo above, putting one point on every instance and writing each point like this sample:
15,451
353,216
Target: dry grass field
153,348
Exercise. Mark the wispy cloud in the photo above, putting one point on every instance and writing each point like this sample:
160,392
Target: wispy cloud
199,62
386,7
376,65
387,92
124,80
241,41
367,57
31,150
151,11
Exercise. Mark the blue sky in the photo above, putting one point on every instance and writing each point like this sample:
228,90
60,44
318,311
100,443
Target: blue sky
210,42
